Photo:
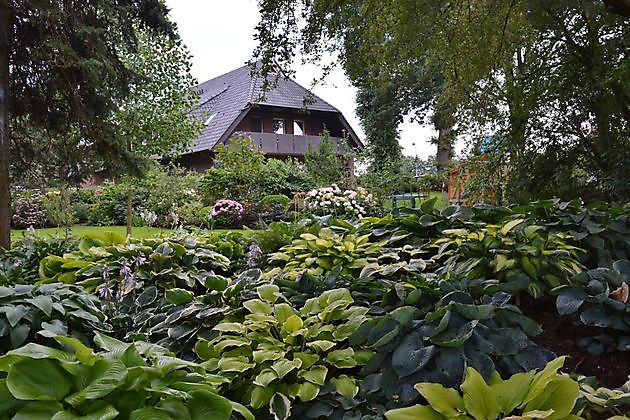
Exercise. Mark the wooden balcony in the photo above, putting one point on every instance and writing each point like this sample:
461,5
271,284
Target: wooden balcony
290,144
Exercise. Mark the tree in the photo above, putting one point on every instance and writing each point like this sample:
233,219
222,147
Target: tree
61,76
155,117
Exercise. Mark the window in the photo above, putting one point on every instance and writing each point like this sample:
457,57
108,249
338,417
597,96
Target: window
257,124
278,125
298,127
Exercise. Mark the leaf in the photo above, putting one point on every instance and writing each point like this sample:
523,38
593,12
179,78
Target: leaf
147,297
345,385
256,306
446,401
235,364
280,406
208,405
307,391
570,300
480,399
416,412
411,355
261,396
284,366
149,413
321,345
510,225
38,410
100,380
178,296
510,392
38,379
268,292
265,377
559,395
316,375
293,324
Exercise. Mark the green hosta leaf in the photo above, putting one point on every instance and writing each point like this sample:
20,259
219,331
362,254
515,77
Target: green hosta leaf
38,410
235,364
43,303
293,324
446,401
101,379
280,406
306,391
316,375
261,396
83,352
284,366
149,413
480,399
258,307
265,377
147,297
321,345
283,311
215,282
38,379
308,359
411,355
229,327
208,405
98,411
342,358
501,262
177,296
416,412
264,355
345,385
14,313
268,292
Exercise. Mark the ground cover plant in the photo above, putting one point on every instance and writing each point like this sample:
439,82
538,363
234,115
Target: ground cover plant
329,318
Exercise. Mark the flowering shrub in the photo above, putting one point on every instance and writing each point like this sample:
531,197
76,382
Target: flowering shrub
333,200
28,210
226,212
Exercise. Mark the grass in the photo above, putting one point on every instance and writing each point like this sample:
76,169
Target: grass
439,203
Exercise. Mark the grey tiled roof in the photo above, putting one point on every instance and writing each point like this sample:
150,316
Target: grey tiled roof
230,95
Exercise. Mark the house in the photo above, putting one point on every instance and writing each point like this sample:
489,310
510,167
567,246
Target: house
282,121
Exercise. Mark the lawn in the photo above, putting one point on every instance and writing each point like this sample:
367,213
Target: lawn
439,204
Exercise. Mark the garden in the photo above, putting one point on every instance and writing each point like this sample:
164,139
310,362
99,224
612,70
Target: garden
480,312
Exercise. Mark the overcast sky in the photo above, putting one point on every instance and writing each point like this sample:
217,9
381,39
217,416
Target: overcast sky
219,36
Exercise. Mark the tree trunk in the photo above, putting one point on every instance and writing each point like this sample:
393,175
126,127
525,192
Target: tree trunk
444,121
6,35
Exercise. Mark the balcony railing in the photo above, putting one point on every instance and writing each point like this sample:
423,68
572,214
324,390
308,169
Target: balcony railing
290,144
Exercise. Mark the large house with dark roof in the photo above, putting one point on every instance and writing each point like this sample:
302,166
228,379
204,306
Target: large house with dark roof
282,121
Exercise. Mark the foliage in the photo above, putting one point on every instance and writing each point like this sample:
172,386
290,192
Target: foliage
20,264
27,310
279,200
116,267
136,380
277,353
546,394
226,213
325,165
344,254
59,208
596,401
332,200
599,298
28,210
513,257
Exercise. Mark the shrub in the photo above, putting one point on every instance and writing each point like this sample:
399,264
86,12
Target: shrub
28,210
332,200
226,213
278,200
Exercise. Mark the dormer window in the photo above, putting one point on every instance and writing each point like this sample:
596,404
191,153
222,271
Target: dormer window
278,125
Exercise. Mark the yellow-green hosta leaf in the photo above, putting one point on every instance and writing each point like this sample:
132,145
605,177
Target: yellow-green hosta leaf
178,296
501,262
559,395
510,225
308,237
258,307
322,345
510,392
416,412
265,377
480,399
345,385
293,324
264,355
235,364
306,391
38,379
268,292
316,375
308,359
261,396
446,401
229,327
284,366
542,379
282,311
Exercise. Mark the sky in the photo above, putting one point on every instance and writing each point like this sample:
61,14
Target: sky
219,36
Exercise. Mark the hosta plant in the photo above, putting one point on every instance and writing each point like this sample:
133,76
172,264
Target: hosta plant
600,298
113,266
134,381
543,395
60,308
597,402
513,257
278,354
343,253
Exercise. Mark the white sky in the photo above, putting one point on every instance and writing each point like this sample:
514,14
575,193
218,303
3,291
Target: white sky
219,36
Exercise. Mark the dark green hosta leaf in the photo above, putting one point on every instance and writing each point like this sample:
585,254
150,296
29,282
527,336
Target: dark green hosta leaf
38,379
280,406
382,332
455,338
39,410
411,355
208,405
570,300
596,317
147,297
